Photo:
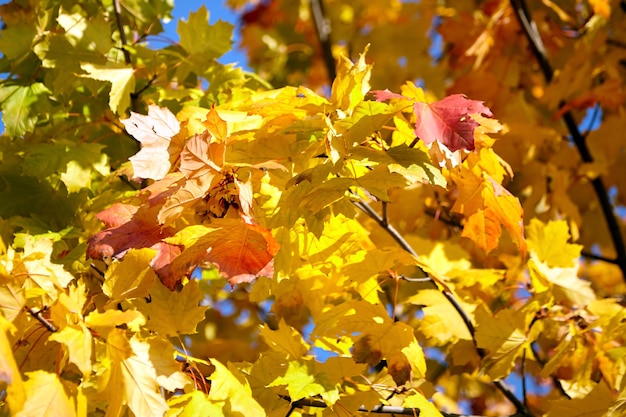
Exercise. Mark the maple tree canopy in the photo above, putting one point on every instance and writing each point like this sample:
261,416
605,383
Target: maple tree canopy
406,208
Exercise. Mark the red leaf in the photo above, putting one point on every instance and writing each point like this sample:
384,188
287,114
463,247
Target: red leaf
162,263
448,121
383,95
129,227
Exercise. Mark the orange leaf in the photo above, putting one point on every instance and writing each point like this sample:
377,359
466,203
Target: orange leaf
241,251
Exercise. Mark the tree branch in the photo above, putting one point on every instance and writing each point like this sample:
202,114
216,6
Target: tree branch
118,21
37,314
378,409
540,53
508,394
322,26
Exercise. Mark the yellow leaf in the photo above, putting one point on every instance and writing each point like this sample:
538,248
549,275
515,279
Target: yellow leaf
111,318
227,389
351,84
440,324
36,259
425,407
12,299
173,312
548,243
285,339
193,404
594,404
45,397
77,339
503,336
376,337
132,377
601,7
131,277
140,382
168,371
9,372
483,229
122,81
565,283
302,380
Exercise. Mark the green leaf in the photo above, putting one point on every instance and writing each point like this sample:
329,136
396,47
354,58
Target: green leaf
203,42
19,113
122,79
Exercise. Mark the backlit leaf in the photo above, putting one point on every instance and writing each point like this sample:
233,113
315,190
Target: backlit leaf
227,389
122,81
549,243
46,396
154,132
173,313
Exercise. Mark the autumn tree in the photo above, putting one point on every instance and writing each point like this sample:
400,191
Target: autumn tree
407,208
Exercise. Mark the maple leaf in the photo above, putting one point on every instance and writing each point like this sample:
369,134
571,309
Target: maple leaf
549,243
131,277
78,341
154,132
504,336
173,312
130,226
447,121
285,339
241,251
46,396
227,389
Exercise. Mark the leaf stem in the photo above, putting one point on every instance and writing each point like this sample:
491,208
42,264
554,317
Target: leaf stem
534,38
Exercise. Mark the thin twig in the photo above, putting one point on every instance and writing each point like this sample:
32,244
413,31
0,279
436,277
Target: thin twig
539,50
37,314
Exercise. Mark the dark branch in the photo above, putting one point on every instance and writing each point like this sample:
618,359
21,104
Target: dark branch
322,26
539,50
118,21
598,257
379,409
38,315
